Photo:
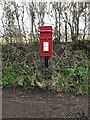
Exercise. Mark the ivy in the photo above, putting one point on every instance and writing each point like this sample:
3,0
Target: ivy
72,73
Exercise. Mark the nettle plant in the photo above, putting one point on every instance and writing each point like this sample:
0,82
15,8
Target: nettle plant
71,73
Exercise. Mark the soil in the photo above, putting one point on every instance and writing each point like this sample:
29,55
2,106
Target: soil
38,103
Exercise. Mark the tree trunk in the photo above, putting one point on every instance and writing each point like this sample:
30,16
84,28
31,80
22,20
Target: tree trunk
88,18
66,27
55,23
59,20
20,39
32,26
23,25
77,27
85,26
66,30
59,28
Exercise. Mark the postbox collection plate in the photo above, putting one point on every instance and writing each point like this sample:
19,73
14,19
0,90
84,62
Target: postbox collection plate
45,46
45,40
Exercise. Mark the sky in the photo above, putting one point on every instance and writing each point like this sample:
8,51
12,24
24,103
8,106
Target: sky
52,0
48,20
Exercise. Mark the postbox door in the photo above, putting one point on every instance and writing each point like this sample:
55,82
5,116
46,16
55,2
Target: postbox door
45,41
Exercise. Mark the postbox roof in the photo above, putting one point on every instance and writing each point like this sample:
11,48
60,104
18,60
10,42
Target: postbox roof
46,28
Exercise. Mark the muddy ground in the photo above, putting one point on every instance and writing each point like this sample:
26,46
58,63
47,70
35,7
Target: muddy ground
18,103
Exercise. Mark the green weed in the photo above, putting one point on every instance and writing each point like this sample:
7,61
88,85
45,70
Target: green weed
72,74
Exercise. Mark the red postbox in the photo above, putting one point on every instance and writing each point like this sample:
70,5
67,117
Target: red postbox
45,40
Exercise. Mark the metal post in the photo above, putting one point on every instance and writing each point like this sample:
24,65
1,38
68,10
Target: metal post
46,61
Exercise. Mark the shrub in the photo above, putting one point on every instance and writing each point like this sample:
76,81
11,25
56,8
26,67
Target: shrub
17,75
72,73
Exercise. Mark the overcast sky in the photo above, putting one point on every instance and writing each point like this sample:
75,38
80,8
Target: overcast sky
47,19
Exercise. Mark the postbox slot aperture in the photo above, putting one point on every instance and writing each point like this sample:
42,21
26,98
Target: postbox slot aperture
45,31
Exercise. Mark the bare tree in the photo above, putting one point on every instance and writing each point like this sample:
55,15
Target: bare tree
17,9
8,20
85,21
66,26
31,14
66,17
40,10
59,12
88,18
76,9
23,13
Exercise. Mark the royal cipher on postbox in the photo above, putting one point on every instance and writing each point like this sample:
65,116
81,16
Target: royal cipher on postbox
45,40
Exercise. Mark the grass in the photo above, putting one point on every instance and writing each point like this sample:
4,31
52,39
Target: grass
16,39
